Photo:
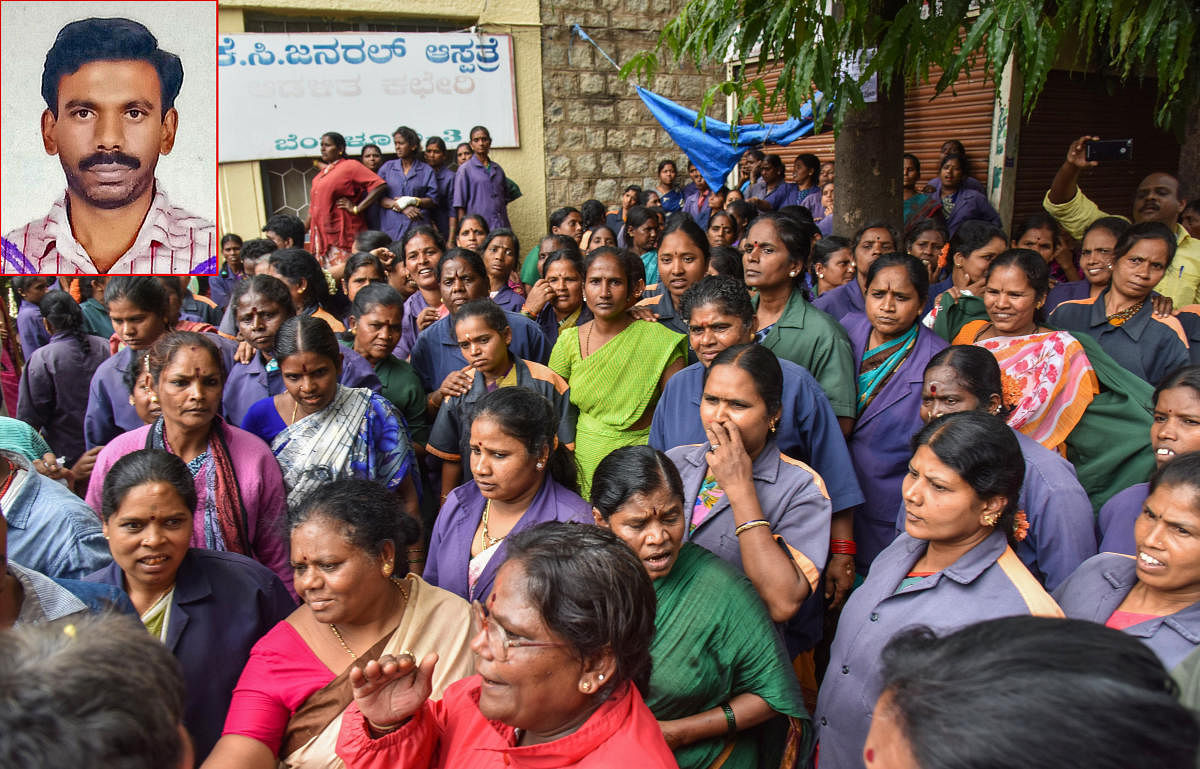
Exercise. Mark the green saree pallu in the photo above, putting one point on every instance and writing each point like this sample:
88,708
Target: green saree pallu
714,640
613,387
1110,446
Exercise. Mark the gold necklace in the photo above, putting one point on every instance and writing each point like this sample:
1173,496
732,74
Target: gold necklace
1118,318
295,405
398,584
485,538
587,340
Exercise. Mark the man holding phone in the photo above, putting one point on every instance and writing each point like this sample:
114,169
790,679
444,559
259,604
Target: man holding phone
1156,200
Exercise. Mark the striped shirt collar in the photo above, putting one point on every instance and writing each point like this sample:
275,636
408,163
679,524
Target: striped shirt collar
45,600
171,240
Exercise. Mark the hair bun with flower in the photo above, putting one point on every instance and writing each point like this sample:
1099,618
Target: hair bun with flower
1012,391
1020,526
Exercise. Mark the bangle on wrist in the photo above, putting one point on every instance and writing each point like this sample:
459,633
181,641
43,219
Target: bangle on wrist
730,720
378,730
843,547
748,525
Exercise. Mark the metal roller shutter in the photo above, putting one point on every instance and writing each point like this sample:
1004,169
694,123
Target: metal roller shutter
963,113
1073,105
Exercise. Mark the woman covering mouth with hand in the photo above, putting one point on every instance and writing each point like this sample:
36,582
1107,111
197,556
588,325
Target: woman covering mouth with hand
1154,596
716,655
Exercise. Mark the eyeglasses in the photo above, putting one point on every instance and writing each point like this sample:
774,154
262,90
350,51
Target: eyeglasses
497,636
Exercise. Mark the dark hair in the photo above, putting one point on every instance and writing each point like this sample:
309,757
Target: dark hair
918,273
287,227
172,284
139,364
366,147
664,163
827,247
973,235
877,224
755,153
369,240
336,139
811,162
142,291
1145,231
977,370
561,243
408,135
304,333
763,368
467,257
483,225
925,225
87,285
631,265
1184,376
632,188
72,699
916,162
632,470
776,162
571,256
88,40
1113,224
145,466
479,128
365,512
63,316
795,238
229,237
268,287
436,141
733,222
591,591
427,231
257,248
798,214
599,227
984,452
1039,220
504,232
296,264
636,217
360,259
168,345
961,158
1183,470
729,294
1036,692
1030,262
743,210
375,295
559,215
727,261
592,212
492,314
691,230
528,417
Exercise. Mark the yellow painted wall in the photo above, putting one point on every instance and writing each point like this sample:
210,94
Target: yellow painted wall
242,208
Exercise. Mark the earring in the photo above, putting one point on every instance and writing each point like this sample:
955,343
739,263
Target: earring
387,570
131,403
540,465
601,676
990,520
587,686
792,274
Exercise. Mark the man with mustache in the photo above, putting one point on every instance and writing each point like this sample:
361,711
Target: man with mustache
1155,200
110,94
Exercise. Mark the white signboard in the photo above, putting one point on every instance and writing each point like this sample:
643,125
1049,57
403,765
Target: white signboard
279,93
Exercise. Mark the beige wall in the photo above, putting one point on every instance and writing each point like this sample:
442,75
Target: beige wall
241,195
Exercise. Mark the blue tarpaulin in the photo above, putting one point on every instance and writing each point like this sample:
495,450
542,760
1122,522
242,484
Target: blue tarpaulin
712,149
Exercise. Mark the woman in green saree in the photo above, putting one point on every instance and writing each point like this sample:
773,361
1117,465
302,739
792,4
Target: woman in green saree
616,365
721,687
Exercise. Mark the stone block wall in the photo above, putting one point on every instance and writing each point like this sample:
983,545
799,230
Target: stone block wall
599,135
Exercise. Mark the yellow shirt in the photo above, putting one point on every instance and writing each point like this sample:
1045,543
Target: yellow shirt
1182,280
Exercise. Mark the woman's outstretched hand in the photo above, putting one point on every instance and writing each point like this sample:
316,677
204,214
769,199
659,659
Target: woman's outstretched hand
389,690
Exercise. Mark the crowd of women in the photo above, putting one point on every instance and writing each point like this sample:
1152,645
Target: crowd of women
690,483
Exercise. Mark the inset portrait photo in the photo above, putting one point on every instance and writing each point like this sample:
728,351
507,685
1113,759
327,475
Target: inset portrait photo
108,138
